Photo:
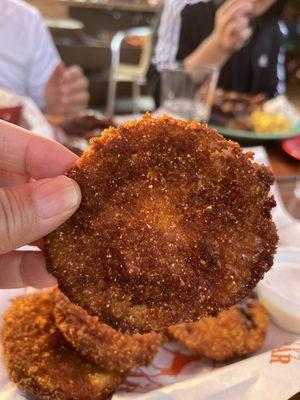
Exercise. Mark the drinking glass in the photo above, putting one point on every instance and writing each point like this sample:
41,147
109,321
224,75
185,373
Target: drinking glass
186,97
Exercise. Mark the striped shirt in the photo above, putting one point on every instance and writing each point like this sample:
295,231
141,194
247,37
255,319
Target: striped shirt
169,32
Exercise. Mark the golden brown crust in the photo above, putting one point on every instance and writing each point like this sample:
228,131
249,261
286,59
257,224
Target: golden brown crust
236,332
99,342
39,360
174,225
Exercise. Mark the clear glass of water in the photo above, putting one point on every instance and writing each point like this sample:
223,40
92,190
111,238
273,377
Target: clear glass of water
186,97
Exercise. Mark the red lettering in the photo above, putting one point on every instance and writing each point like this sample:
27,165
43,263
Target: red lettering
280,358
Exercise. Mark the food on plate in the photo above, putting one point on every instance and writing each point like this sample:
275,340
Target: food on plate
277,115
40,361
233,109
266,122
248,112
281,105
233,333
99,342
75,132
174,225
87,125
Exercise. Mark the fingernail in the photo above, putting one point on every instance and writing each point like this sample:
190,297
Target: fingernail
56,196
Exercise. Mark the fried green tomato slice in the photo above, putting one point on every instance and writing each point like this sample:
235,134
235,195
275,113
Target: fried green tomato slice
99,342
174,225
236,332
40,361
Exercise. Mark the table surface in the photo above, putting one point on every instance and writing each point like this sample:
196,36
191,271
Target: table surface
287,174
282,164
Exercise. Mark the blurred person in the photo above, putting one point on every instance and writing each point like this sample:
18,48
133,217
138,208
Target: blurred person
30,64
35,198
242,37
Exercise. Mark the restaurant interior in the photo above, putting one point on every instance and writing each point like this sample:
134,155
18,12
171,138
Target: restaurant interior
83,33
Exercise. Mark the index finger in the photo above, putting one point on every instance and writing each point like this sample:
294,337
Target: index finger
73,73
25,153
238,12
230,6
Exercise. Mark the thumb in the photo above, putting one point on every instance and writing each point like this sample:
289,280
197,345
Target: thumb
57,75
29,212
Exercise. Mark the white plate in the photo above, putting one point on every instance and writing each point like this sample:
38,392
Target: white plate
279,291
163,374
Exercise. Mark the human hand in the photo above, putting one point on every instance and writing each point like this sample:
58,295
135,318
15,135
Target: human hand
232,25
261,6
35,198
66,91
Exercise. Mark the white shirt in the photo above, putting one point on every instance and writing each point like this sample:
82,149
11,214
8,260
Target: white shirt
28,55
169,32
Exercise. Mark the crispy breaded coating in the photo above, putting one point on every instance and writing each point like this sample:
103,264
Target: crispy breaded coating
40,361
99,342
233,333
174,225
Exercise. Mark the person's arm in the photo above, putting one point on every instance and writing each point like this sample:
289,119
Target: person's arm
44,58
230,32
35,198
55,88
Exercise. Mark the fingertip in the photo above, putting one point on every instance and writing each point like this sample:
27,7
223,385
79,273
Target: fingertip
20,269
74,71
56,199
47,158
77,191
78,68
34,272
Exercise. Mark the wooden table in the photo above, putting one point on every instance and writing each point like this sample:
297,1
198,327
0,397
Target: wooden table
283,165
287,174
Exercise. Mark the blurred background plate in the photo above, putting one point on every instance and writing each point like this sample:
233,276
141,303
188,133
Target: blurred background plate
254,136
292,147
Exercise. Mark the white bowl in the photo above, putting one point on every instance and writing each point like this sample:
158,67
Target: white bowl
279,291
